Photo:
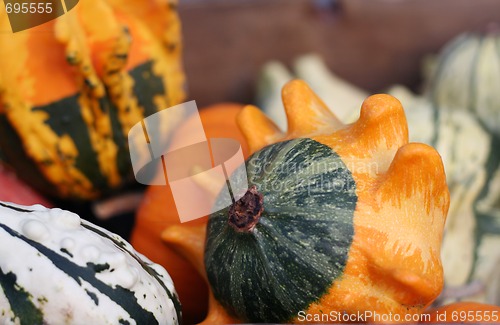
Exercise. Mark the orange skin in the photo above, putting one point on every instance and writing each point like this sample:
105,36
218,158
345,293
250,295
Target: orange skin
98,25
394,262
190,243
456,310
157,212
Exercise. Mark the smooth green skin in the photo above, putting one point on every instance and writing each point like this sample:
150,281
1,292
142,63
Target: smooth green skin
300,244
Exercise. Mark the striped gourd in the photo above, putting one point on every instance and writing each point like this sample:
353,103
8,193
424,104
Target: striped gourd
71,89
338,219
56,268
466,76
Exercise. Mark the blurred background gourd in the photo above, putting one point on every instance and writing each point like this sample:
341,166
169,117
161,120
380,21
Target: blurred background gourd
71,89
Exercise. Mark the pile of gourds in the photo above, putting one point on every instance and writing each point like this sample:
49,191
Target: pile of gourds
70,90
347,201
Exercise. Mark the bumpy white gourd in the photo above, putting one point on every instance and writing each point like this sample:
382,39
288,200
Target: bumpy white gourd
56,268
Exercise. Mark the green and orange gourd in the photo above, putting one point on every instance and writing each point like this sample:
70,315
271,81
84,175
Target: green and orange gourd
337,218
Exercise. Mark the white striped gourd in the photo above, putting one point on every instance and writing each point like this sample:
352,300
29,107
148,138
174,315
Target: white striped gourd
56,268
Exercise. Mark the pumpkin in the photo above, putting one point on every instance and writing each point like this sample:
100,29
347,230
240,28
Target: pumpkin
157,211
463,313
14,190
56,268
338,218
466,77
71,89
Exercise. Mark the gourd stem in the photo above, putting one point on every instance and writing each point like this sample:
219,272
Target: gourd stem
245,213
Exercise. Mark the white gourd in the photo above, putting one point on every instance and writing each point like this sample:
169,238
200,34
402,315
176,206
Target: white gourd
56,268
343,98
466,76
273,76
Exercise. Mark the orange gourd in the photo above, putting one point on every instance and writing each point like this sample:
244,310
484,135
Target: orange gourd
158,211
392,263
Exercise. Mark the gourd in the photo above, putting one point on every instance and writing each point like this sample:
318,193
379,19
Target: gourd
158,211
56,268
472,164
272,77
71,89
466,77
337,217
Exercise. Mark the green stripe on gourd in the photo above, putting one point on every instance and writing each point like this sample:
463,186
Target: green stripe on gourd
19,300
487,232
280,247
145,266
488,215
67,121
